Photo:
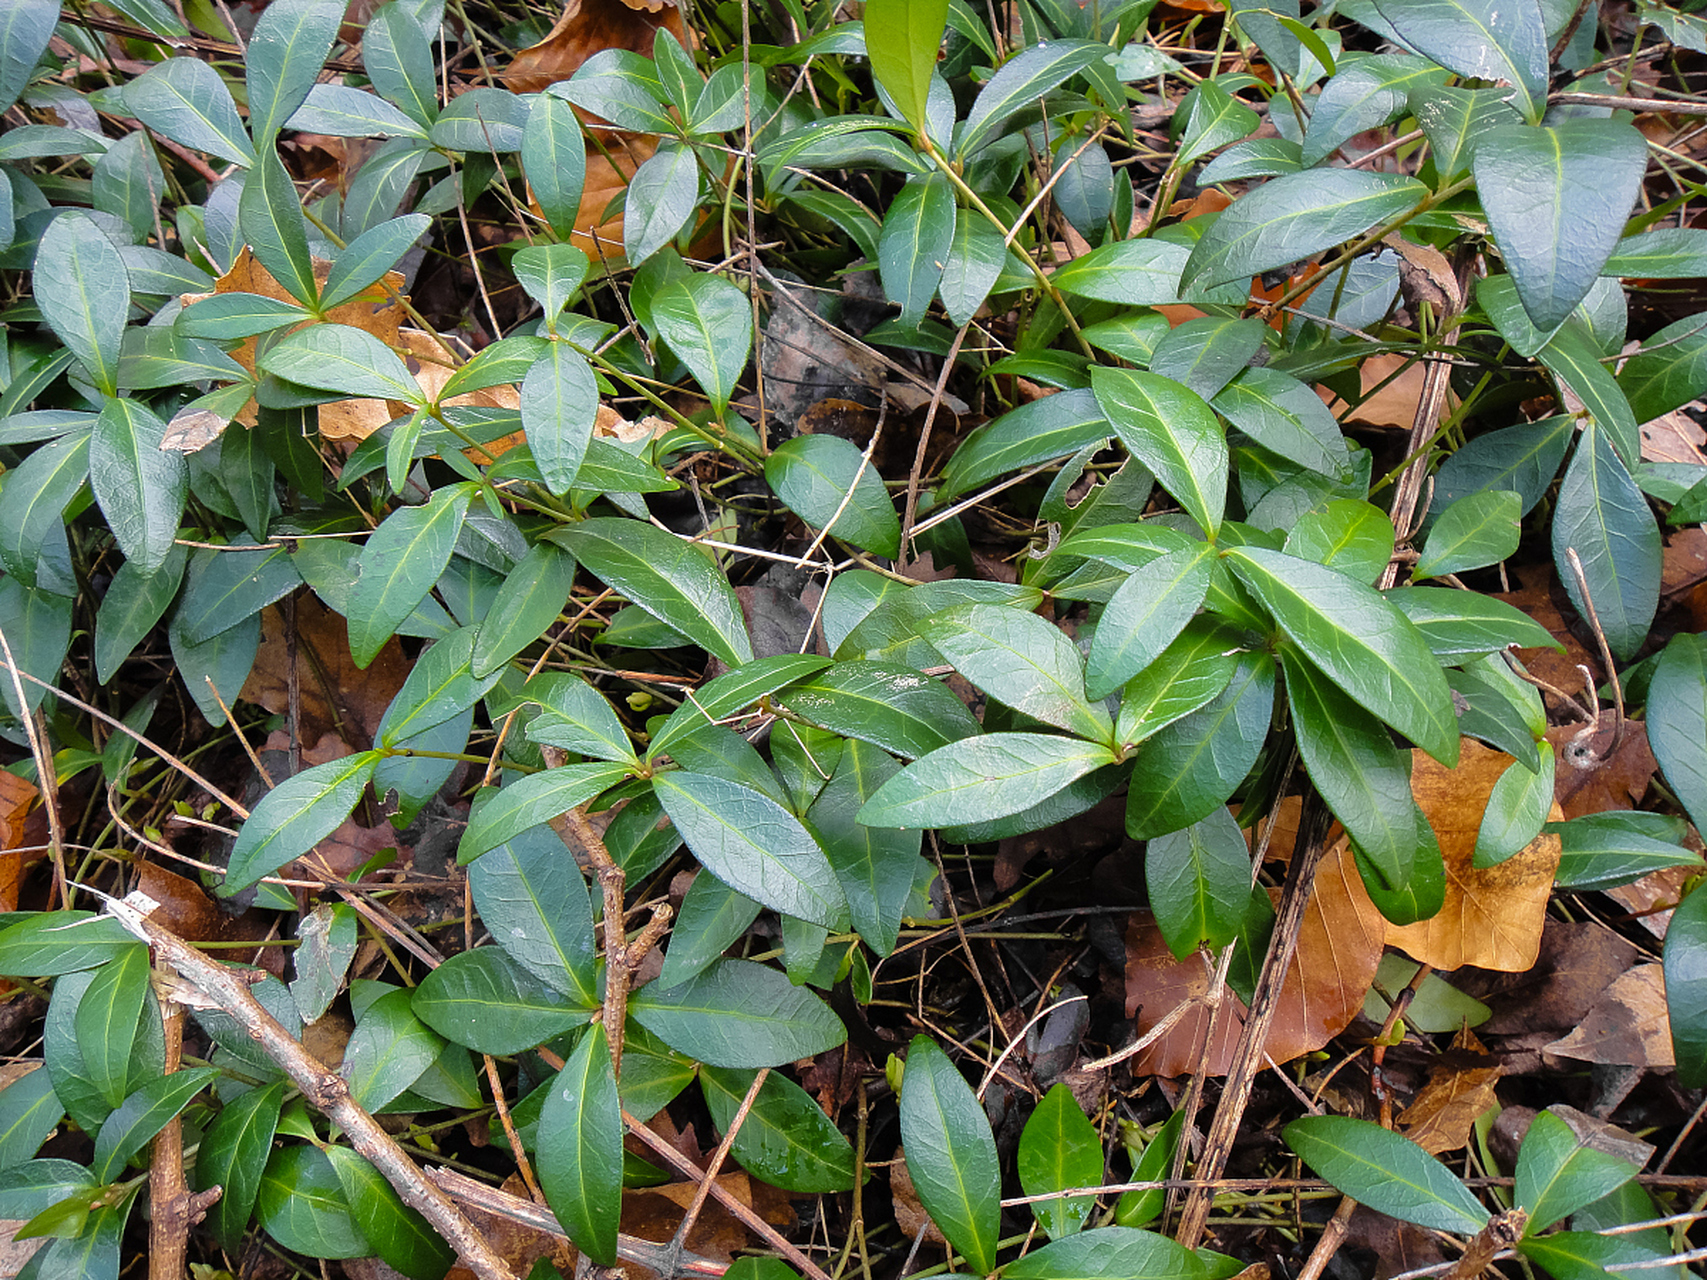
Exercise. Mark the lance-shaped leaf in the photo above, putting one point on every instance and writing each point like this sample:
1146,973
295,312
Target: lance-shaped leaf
1480,40
534,801
141,488
707,322
286,51
1052,427
485,1001
388,1052
662,195
560,399
1105,1253
1362,643
532,597
813,476
673,580
233,1152
1686,988
1478,530
399,61
1389,1173
978,779
912,250
550,273
902,38
369,256
1020,659
554,158
269,216
33,503
1137,273
25,29
1294,217
951,1153
295,816
754,845
1020,82
399,1235
975,261
1558,1173
1677,721
786,1139
877,866
142,1115
1517,810
580,1148
1199,881
1213,118
739,1014
1557,198
80,284
1603,517
732,692
1170,429
107,1022
344,359
400,564
892,706
1145,614
185,100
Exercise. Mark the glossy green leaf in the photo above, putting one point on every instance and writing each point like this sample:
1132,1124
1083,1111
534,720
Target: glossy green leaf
1346,534
554,158
286,51
550,273
1059,1149
80,284
295,816
1051,427
388,1051
400,563
29,1112
1170,429
1517,810
439,687
25,29
1677,721
226,316
1603,850
1018,84
913,248
1454,120
142,1115
1584,1255
894,707
185,100
1660,253
828,483
1558,1173
1145,615
1212,118
344,359
1139,1208
140,486
1285,417
224,588
1557,198
107,1022
1389,1173
580,1148
902,38
1199,882
974,264
560,399
399,61
1356,637
1463,624
980,778
732,692
711,919
786,1139
533,899
1667,372
269,217
1478,530
342,111
877,866
1184,771
754,845
1020,659
398,1234
1365,95
1186,675
47,944
1686,988
1108,1253
739,1014
951,1154
1481,40
303,1205
369,256
708,323
1602,515
485,1001
662,194
484,120
1139,273
233,1154
534,801
32,504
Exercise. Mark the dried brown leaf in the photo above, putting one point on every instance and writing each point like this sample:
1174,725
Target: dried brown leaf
1626,1027
1459,1089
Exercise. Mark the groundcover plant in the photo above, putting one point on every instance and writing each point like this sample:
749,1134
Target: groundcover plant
794,640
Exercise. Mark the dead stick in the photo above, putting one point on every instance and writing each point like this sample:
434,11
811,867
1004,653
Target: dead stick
325,1090
173,1209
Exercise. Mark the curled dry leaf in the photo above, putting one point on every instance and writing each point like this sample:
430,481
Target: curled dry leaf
1618,782
1626,1027
1339,947
1492,917
1460,1087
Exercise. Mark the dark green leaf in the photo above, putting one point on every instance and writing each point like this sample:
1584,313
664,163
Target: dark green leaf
1170,429
369,256
228,587
560,399
1602,850
712,918
83,291
1668,371
269,217
397,1233
1145,615
813,476
1199,881
580,1148
1660,253
1573,357
32,504
286,51
1602,515
877,866
533,900
1584,1255
399,565
661,199
295,816
534,801
1464,624
439,687
1686,988
980,778
303,1205
51,943
786,1139
708,323
732,692
340,358
1212,118
185,100
1517,810
1285,417
1558,1173
1476,531
1524,458
550,273
399,61
1389,1173
918,232
1479,39
388,1051
25,29
29,1112
1365,95
141,488
532,597
975,261
107,1022
233,1153
554,158
739,1014
1059,1149
1020,659
1018,84
1677,721
142,1115
1137,273
1051,427
481,120
1185,676
1454,120
1109,1253
485,1001
892,706
951,1154
133,603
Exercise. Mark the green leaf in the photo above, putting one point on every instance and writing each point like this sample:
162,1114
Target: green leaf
32,504
269,217
1603,850
1058,1150
1199,881
1186,675
400,1235
877,866
786,1139
902,38
754,845
1660,253
27,1189
670,578
1347,534
708,323
484,120
80,284
399,565
739,1014
1454,120
1365,95
560,399
1389,1173
532,597
533,900
1136,273
580,1148
1602,515
1018,84
1464,624
1480,40
233,1153
1170,429
142,1115
1295,217
1185,770
912,250
51,943
1359,640
399,62
554,158
980,778
226,588
662,195
732,692
343,111
894,707
286,51
813,476
38,625
25,29
1285,417
1558,1173
1686,988
295,816
185,100
29,1112
951,1154
369,256
439,688
1517,810
1677,721
303,1205
712,918
1145,615
1584,1255
107,1022
388,1051
141,487
1138,1208
340,358
1478,530
1666,373
1051,427
534,801
1021,660
1212,118
227,316
550,273
1108,1253
1557,198
485,1001
975,261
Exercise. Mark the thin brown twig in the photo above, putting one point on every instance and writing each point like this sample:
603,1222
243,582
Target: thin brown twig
173,1208
46,779
916,473
1583,742
715,1167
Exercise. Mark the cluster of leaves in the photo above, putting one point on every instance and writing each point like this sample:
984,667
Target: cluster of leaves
1242,605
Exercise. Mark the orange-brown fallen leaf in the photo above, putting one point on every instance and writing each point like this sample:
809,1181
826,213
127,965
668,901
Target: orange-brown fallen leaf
17,797
332,694
1492,916
1460,1088
1626,1027
1395,403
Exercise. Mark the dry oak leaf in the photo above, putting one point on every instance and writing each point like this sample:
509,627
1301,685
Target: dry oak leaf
1492,916
1460,1088
17,796
1627,1026
332,693
1339,948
